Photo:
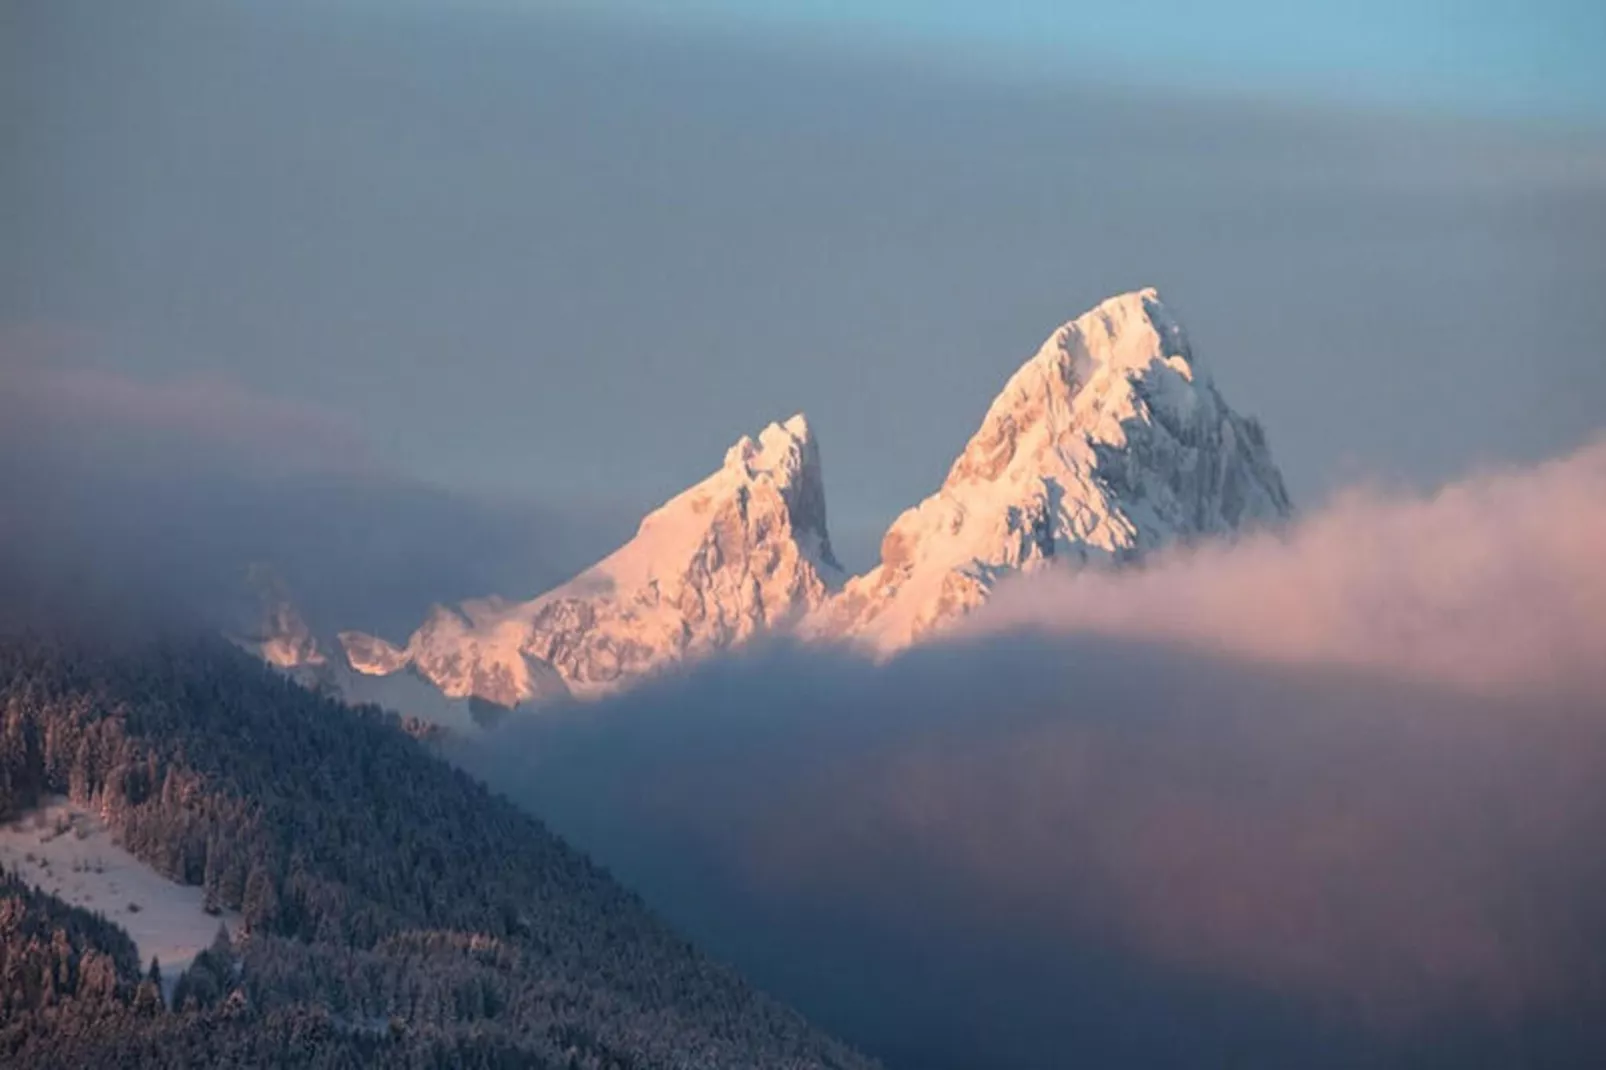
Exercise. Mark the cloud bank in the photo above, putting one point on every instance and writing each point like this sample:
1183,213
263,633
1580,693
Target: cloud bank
56,404
1496,582
127,502
1333,796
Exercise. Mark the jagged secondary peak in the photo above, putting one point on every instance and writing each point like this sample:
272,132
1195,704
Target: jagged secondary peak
742,551
787,455
1110,441
767,488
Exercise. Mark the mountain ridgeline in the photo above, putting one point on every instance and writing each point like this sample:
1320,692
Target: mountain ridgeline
389,909
1111,442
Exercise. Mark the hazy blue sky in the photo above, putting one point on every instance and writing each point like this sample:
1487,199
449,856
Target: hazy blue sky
514,249
1536,57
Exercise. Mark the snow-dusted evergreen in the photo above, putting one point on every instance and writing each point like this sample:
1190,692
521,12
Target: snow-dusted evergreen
1110,442
368,905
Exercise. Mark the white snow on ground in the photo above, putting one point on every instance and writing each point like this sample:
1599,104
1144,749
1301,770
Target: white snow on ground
70,853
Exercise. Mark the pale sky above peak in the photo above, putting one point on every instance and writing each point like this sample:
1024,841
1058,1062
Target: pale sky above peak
1489,57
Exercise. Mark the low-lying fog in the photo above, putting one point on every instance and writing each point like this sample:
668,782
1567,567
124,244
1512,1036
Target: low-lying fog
1333,797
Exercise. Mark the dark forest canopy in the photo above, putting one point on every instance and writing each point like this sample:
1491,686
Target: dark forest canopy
393,911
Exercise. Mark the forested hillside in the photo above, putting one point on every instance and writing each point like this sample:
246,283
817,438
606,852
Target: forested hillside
393,910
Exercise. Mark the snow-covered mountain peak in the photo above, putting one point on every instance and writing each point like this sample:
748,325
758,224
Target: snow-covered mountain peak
785,456
1122,334
1110,441
773,484
1093,373
742,551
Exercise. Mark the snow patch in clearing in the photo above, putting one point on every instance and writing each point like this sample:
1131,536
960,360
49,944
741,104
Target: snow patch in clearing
69,852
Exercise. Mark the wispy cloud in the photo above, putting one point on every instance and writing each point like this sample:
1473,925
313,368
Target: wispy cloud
56,404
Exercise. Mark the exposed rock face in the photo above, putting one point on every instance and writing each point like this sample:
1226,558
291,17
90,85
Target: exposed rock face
744,551
1110,442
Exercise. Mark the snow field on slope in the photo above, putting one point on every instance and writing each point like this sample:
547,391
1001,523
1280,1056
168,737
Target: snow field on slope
70,853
